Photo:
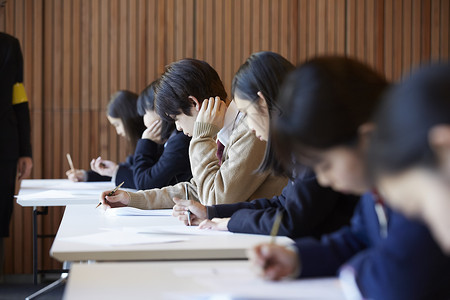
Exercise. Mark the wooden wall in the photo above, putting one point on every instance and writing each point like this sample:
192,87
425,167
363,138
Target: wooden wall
78,52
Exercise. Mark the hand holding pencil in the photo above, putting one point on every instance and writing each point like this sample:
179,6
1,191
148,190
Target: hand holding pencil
273,261
73,174
114,198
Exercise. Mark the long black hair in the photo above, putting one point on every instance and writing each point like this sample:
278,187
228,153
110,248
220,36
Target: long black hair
323,103
404,120
184,78
263,72
146,102
123,106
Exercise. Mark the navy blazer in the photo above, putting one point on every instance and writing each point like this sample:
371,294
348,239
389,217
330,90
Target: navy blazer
308,208
155,170
407,264
153,165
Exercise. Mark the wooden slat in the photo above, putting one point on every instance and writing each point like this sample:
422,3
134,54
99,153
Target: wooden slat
397,40
435,29
407,37
311,41
302,31
445,16
321,27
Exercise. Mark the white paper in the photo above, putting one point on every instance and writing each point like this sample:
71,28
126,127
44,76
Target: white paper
60,194
121,238
175,230
243,283
132,211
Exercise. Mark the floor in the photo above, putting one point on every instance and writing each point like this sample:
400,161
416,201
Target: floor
21,286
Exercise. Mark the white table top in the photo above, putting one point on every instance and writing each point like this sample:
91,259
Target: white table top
189,280
82,220
44,192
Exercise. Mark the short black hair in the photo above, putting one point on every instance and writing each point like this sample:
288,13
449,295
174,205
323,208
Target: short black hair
323,103
122,105
184,78
403,122
146,102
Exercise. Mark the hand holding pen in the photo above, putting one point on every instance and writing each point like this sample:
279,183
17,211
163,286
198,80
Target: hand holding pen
187,198
273,261
114,198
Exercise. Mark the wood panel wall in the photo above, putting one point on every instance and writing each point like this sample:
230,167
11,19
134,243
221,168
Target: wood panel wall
78,52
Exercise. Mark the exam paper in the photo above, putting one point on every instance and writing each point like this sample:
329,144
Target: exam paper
121,238
244,283
132,211
175,230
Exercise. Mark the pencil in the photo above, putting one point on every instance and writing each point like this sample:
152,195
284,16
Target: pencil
112,192
69,159
276,227
187,198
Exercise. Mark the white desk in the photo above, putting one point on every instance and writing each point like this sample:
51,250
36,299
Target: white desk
189,280
89,190
82,220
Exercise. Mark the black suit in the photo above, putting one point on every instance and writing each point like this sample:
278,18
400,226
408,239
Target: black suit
14,124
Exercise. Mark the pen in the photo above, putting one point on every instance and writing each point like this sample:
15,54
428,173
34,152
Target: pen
187,198
276,227
112,192
69,159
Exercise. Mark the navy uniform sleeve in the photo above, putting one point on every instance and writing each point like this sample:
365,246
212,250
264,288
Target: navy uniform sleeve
152,170
125,173
22,110
408,264
94,176
324,257
308,208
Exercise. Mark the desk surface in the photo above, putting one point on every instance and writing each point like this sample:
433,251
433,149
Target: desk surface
81,220
189,280
88,192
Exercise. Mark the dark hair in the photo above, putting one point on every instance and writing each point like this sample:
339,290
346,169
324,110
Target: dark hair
405,118
323,103
263,72
123,106
146,102
184,78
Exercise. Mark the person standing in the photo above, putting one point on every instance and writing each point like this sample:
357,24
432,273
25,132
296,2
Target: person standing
15,149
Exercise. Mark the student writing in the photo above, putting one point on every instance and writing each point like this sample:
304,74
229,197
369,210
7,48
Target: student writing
122,114
221,173
327,105
309,209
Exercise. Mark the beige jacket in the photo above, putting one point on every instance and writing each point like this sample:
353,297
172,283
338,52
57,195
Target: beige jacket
234,181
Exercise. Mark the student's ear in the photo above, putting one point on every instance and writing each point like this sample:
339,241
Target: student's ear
197,105
439,140
262,101
364,131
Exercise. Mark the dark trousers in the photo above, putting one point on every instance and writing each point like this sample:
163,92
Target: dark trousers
7,186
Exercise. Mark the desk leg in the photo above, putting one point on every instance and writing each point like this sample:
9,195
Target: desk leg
61,280
35,261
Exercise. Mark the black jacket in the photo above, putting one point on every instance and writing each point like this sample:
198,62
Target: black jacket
308,208
14,119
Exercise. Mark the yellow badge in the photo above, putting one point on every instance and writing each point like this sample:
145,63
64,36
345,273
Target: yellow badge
19,94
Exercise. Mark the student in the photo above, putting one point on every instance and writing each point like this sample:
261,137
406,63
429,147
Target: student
223,173
410,150
308,208
162,154
327,105
15,150
122,114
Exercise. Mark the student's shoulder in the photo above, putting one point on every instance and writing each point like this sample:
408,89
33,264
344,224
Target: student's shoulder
178,138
